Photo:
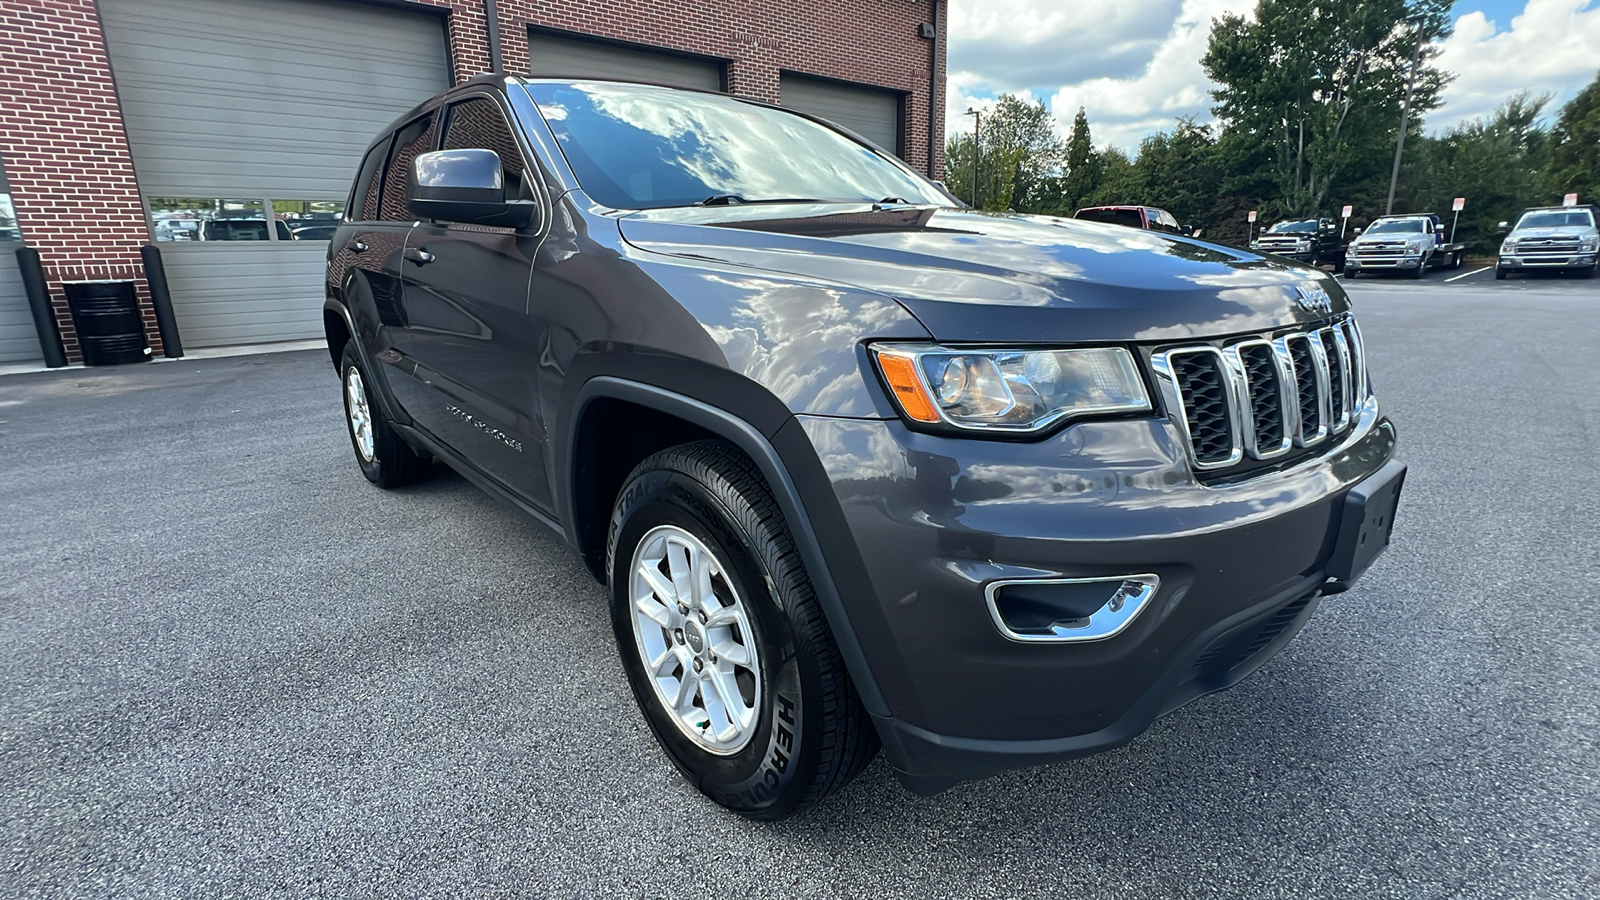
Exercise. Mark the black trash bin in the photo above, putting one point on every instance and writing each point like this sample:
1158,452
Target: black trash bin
110,329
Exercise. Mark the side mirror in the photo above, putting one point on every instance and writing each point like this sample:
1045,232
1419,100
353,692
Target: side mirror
1503,227
1356,230
1186,231
465,186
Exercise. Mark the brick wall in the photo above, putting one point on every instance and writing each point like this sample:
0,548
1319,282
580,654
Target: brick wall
65,151
72,180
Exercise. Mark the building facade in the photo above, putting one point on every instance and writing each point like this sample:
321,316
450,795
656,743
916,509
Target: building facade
226,132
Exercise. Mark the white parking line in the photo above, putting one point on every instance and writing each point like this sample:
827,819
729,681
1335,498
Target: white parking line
1467,274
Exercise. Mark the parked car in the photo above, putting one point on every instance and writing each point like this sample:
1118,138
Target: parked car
864,467
1147,217
243,230
1315,242
1410,243
1551,237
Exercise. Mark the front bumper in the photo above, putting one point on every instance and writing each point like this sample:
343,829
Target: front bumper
938,519
1359,264
1547,261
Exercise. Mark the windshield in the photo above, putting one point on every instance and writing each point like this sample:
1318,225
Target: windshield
1580,218
638,147
1128,217
1389,226
1293,227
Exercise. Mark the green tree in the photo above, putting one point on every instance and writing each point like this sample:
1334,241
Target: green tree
1575,147
1319,84
1017,154
1181,164
1498,164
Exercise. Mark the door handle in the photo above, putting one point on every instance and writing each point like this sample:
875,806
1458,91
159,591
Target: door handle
419,256
358,246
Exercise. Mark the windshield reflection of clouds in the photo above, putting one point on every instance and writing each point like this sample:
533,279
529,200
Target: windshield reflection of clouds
635,147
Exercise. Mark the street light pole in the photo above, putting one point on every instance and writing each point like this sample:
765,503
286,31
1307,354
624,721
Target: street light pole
977,133
1405,118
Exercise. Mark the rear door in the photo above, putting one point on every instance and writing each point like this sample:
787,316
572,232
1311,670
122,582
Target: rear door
468,334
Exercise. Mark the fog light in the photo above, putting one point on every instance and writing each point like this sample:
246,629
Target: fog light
1068,610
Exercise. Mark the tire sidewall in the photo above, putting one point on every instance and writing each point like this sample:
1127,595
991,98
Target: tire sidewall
764,774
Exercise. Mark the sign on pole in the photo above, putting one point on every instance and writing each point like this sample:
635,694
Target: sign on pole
1459,205
1252,215
1456,207
1568,200
1345,214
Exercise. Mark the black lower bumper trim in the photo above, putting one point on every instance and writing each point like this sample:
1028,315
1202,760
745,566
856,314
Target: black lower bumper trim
1222,656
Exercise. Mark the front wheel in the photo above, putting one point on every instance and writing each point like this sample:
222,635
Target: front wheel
1421,269
722,638
1589,272
1499,273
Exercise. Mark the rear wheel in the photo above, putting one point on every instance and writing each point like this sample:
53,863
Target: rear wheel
722,638
385,458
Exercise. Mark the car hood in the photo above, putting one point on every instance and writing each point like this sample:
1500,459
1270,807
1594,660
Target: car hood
971,276
1413,237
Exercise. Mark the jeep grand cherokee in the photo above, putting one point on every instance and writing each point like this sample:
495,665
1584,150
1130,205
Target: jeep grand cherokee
858,466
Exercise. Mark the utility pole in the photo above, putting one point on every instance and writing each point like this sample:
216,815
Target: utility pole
1405,116
977,132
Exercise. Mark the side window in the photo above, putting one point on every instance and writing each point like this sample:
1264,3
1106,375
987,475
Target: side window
412,140
477,124
363,205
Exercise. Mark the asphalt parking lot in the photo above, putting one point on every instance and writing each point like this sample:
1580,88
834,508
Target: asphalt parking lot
232,668
1480,273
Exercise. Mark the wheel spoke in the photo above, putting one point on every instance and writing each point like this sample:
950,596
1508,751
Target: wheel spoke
683,703
665,664
701,580
729,701
657,612
733,654
678,564
665,591
723,616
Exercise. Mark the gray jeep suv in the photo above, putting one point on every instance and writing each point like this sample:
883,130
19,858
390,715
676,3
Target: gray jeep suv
858,466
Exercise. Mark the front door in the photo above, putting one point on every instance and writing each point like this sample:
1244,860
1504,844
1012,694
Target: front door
468,335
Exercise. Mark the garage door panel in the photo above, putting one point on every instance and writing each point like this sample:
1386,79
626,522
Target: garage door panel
555,56
18,340
236,87
873,113
226,295
254,100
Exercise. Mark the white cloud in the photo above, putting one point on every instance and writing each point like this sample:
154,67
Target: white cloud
1097,42
1554,46
1134,65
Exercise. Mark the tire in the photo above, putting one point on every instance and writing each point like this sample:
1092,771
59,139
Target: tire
383,455
1500,273
1422,268
796,732
1457,259
1351,273
1588,272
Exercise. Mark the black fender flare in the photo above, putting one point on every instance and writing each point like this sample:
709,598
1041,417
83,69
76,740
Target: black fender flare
777,472
380,376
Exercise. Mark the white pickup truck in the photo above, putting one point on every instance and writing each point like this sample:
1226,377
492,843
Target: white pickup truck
1411,243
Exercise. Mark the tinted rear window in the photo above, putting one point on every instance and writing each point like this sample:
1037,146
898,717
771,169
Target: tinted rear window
1128,217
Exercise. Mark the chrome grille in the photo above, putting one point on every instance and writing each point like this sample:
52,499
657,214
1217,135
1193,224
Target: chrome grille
1260,398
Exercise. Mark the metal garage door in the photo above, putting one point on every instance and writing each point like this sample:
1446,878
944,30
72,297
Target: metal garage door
556,56
873,113
247,119
18,341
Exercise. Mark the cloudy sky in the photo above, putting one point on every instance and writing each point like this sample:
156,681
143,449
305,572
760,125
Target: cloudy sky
1134,65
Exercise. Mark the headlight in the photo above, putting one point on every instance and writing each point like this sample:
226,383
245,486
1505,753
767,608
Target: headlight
1008,390
1508,248
1303,245
1588,245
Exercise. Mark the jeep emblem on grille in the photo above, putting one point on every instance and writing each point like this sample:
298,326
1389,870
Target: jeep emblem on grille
1313,298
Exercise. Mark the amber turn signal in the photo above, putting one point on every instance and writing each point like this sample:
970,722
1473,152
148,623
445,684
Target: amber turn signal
901,374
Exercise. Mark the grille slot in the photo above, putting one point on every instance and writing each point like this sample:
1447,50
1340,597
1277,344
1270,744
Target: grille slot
1264,387
1338,379
1203,387
1304,362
